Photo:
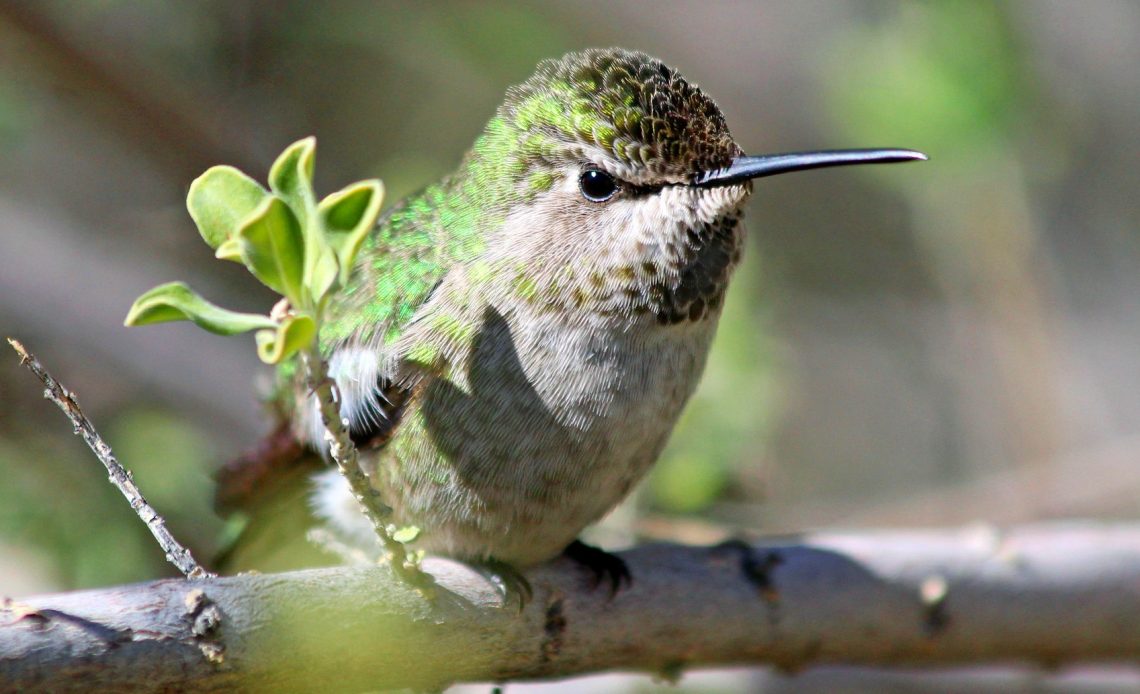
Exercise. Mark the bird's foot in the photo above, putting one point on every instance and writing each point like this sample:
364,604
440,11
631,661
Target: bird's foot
603,565
509,581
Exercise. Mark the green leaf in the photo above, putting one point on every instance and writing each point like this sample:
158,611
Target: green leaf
406,534
229,250
292,179
291,176
322,273
272,248
218,201
292,335
349,215
175,301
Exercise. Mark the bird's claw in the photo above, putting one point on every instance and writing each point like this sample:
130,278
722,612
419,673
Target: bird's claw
603,565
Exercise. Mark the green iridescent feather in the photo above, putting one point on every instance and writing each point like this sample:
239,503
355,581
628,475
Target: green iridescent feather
421,239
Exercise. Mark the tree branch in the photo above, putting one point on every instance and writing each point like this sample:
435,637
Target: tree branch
1038,594
55,391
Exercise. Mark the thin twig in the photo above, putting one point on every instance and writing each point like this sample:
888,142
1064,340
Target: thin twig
55,391
343,452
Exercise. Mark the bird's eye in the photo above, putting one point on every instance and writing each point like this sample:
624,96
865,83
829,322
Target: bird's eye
597,185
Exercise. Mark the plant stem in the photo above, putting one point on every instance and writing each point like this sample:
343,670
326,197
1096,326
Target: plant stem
343,452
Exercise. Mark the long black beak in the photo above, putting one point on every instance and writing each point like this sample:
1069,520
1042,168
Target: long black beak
746,168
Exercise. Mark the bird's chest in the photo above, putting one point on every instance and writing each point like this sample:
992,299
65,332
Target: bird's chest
554,412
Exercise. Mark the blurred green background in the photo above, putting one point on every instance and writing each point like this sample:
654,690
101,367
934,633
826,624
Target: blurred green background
941,343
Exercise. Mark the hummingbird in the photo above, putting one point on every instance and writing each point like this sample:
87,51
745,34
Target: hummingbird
519,338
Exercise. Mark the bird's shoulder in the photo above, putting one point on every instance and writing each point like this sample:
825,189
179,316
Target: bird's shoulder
413,248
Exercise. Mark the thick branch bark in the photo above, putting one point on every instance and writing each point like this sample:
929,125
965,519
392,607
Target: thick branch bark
1045,594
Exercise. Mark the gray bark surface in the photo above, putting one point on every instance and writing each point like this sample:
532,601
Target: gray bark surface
1044,595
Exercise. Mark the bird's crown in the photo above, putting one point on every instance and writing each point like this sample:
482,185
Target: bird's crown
631,109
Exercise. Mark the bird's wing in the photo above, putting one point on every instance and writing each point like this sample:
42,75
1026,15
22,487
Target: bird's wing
403,260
